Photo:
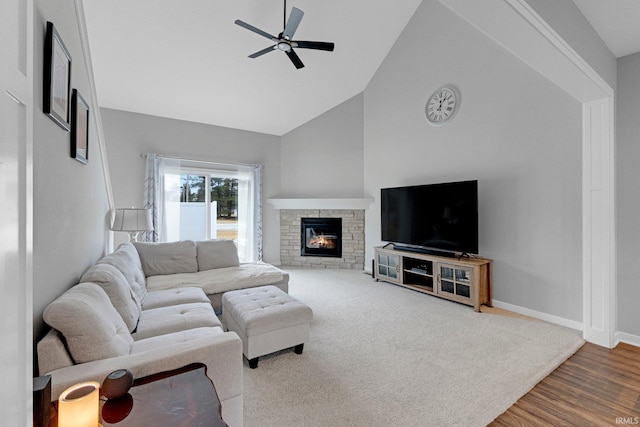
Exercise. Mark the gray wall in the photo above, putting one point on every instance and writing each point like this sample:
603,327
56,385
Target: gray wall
324,157
129,135
628,198
515,132
70,203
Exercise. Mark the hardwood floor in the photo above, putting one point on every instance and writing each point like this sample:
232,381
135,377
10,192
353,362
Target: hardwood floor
595,387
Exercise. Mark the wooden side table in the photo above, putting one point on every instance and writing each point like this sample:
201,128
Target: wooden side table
183,397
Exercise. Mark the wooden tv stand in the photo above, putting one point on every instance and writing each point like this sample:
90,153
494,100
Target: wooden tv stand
466,280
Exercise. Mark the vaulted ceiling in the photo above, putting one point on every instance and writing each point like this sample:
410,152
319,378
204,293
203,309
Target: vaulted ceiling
617,22
189,61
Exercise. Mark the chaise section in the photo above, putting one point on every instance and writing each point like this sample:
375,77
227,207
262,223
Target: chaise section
220,280
211,265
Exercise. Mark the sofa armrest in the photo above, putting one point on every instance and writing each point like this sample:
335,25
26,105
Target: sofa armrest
221,353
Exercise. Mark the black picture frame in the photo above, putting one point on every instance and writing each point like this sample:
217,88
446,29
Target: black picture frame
79,128
57,78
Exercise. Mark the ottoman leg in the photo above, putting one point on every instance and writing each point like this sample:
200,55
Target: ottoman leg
298,348
253,363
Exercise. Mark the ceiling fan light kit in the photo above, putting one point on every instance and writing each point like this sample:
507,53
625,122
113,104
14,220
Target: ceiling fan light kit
284,40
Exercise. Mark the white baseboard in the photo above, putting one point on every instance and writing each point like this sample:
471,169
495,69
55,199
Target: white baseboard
540,315
619,336
627,338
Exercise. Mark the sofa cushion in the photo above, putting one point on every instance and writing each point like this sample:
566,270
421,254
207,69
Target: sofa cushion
166,320
218,280
168,297
126,259
183,337
91,326
117,288
167,258
217,254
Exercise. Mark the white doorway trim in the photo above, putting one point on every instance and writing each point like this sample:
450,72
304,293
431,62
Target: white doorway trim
598,223
17,109
515,26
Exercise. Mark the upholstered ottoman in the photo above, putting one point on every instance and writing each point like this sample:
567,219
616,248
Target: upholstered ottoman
267,320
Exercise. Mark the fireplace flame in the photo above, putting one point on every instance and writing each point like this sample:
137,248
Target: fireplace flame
322,241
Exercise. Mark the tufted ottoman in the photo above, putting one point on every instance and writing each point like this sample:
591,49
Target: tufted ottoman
267,320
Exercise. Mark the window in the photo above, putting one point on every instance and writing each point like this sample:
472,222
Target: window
201,200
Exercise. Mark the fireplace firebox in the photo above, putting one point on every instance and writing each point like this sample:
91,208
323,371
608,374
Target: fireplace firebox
321,237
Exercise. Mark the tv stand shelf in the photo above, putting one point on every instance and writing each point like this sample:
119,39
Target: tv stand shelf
466,280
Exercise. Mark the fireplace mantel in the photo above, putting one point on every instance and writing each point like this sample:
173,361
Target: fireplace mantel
321,203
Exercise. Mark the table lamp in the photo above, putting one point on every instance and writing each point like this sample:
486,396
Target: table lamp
78,406
132,221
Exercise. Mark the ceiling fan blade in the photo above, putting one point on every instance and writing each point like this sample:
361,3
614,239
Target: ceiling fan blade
255,30
263,51
313,45
295,59
292,23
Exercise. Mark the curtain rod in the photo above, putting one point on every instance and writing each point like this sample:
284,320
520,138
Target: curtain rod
253,165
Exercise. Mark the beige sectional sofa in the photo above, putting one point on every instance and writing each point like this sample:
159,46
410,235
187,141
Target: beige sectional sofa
113,319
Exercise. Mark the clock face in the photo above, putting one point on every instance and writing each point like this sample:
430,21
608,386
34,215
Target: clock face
442,105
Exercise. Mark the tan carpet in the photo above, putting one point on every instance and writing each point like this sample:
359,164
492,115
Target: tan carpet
381,355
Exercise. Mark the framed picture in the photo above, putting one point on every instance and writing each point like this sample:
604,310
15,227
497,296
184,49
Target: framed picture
57,78
79,128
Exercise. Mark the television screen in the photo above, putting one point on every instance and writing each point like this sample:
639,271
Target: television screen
439,216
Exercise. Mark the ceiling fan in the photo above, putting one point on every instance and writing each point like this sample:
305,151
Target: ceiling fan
284,40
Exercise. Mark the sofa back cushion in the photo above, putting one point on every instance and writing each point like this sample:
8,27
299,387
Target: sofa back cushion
92,327
118,290
126,259
217,254
167,258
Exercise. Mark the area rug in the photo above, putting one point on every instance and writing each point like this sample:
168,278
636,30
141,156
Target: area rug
382,355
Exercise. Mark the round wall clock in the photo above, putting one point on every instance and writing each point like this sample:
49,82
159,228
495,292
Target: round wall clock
442,105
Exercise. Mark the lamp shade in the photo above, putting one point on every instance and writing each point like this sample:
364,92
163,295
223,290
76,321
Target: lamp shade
78,406
132,219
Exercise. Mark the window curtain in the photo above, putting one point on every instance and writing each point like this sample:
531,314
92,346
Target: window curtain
250,212
257,171
156,194
152,199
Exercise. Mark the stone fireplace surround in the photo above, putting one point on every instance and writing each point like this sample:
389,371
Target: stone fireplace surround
350,210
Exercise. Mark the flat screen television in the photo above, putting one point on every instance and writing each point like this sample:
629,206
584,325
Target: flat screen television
437,216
